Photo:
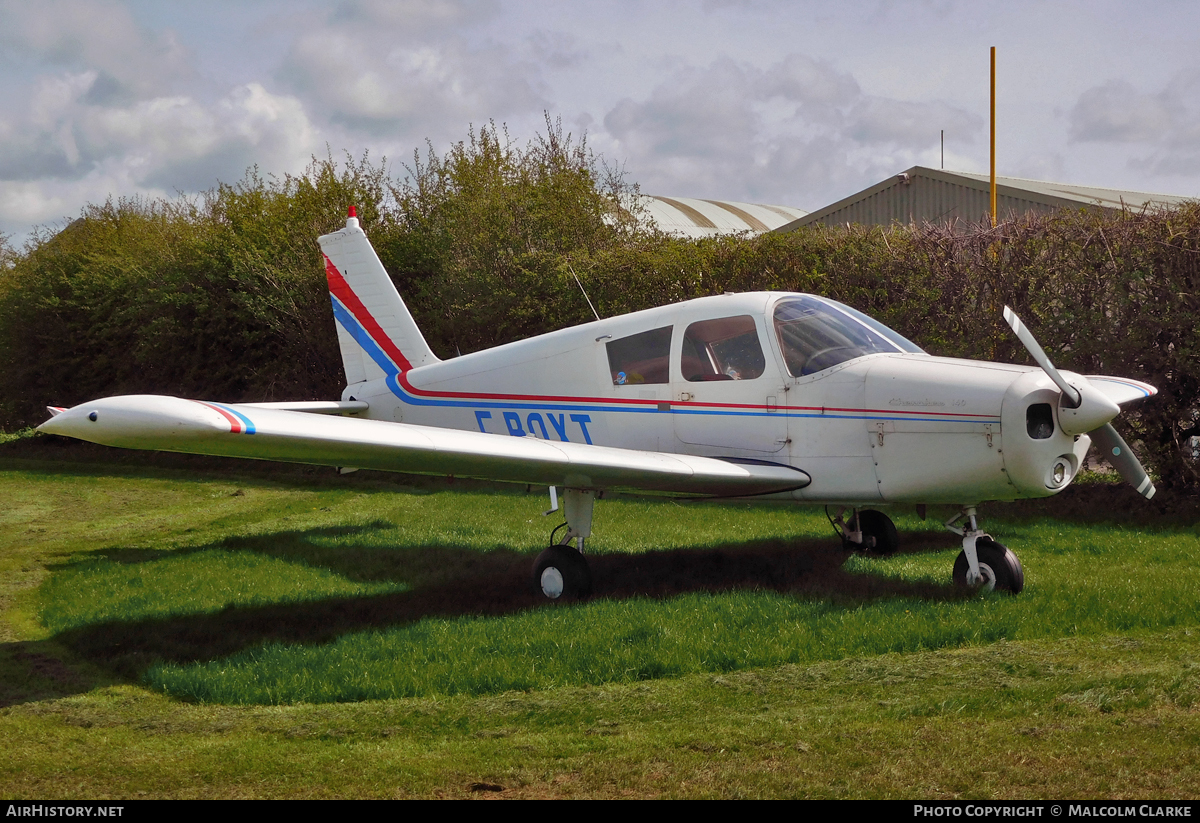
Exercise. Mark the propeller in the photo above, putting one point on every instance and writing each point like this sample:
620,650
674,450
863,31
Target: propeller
1085,409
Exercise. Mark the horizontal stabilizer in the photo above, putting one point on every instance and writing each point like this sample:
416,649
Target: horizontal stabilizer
241,430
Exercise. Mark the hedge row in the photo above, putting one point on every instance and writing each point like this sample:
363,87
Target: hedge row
224,296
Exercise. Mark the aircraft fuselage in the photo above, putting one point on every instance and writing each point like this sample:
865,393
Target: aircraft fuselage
712,377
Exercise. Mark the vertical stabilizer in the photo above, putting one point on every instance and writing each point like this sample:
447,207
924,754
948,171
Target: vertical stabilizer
377,333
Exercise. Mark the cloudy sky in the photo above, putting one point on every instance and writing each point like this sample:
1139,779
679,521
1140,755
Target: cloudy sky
795,103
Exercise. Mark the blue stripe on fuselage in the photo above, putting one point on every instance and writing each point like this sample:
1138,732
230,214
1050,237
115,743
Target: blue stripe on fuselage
246,421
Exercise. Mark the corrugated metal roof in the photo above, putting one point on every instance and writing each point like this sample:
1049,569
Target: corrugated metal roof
689,217
1089,195
922,194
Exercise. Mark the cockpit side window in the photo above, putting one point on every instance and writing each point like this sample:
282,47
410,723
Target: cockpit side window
726,348
641,358
815,335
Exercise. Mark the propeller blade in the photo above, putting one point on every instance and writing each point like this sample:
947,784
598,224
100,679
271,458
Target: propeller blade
1083,409
1122,458
1070,393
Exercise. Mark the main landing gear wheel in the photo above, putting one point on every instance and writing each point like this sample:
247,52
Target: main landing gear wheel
999,566
562,573
879,526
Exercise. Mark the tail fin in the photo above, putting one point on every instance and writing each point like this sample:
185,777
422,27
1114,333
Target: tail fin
377,333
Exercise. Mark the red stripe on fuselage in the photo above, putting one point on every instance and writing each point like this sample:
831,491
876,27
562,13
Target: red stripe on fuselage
235,425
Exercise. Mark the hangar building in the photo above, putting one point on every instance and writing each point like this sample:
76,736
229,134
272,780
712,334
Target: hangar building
930,195
689,217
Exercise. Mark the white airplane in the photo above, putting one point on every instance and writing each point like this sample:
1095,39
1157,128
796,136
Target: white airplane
778,396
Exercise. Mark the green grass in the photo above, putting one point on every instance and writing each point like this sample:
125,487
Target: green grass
1151,584
195,583
1073,718
201,634
414,568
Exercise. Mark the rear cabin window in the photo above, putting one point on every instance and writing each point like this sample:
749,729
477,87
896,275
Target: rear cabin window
723,349
641,358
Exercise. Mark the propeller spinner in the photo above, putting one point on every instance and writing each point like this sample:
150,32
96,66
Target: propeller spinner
1086,409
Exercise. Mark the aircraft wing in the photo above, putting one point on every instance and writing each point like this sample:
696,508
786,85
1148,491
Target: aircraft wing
1121,390
260,432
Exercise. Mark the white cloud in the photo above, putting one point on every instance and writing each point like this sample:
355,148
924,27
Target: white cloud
879,120
799,131
1165,124
408,70
557,50
1116,112
78,152
110,108
414,17
163,141
809,82
130,61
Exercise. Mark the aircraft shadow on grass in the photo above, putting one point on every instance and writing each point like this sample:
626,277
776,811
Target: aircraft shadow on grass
449,582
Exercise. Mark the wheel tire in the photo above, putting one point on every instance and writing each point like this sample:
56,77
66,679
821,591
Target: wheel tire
999,566
880,526
561,573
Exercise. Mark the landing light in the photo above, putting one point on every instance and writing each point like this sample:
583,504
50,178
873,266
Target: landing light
1059,474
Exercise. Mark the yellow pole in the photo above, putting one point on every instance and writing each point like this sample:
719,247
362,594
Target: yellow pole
993,137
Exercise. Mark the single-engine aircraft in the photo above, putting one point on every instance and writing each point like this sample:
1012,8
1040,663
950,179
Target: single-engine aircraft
770,395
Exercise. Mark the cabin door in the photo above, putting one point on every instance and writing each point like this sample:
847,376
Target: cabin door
726,397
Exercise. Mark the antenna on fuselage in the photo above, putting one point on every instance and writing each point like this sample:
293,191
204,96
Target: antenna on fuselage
582,289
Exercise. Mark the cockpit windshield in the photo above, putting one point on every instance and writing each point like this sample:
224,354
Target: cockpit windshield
815,333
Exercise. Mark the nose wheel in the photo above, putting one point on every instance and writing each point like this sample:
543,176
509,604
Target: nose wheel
999,568
984,564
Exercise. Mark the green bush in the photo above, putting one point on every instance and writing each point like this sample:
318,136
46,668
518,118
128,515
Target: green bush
223,296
